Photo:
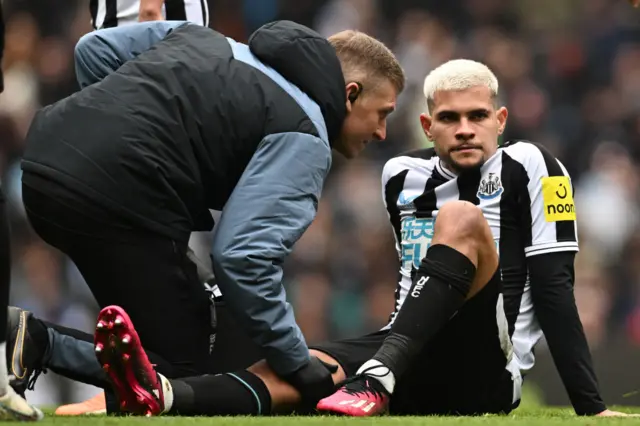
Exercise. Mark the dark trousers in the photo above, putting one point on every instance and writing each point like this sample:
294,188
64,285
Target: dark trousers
147,274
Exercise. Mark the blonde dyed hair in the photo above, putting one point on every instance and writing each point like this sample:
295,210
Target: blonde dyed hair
456,75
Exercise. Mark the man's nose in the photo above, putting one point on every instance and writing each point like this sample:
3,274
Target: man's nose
381,132
465,131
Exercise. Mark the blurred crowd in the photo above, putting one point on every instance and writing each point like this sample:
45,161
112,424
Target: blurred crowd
570,75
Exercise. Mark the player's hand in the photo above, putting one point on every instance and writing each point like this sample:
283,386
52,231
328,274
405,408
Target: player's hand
313,381
609,413
634,3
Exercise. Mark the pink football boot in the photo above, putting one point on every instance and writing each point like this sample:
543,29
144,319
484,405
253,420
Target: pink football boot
122,357
359,396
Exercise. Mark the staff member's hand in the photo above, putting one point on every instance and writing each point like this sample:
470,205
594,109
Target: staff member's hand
313,381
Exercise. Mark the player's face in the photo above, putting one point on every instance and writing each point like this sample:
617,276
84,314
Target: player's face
366,118
464,127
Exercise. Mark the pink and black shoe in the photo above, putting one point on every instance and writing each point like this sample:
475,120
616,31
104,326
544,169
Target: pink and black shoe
119,351
359,396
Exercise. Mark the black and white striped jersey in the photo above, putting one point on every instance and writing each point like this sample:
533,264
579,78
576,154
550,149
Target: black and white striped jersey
527,198
114,13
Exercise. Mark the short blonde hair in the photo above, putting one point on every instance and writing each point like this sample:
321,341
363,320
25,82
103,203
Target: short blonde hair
459,74
367,60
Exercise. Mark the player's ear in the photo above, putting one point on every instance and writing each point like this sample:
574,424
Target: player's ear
425,121
501,116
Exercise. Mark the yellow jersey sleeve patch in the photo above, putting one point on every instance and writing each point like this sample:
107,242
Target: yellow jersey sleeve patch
557,198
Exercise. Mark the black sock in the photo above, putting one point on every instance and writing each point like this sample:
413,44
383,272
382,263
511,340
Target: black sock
5,266
439,289
239,393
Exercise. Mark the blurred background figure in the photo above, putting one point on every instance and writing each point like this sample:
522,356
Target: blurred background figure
117,13
570,76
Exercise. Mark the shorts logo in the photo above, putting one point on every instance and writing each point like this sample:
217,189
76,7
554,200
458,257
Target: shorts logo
557,198
490,187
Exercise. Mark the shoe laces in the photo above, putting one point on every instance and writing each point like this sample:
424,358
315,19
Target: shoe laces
365,383
34,377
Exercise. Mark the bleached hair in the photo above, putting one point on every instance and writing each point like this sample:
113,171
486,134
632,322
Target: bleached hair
458,74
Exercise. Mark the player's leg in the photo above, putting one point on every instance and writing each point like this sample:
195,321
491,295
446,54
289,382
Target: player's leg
445,379
468,368
460,262
12,405
256,390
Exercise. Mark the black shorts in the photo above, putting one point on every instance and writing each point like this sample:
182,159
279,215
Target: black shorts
462,371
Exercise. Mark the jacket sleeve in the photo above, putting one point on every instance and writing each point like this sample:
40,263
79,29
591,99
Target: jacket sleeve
271,207
99,53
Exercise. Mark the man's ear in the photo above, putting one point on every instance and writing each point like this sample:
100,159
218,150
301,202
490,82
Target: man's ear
501,115
353,91
425,122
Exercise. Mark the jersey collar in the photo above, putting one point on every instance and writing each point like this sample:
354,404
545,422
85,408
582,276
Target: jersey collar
446,173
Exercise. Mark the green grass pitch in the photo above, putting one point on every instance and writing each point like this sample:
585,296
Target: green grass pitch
523,416
531,412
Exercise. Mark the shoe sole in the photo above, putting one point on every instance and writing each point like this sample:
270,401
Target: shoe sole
9,414
346,410
330,412
122,357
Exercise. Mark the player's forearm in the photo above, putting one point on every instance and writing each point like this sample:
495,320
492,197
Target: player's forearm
554,303
251,282
274,202
261,308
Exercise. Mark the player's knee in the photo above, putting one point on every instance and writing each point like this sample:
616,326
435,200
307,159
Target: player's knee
460,220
